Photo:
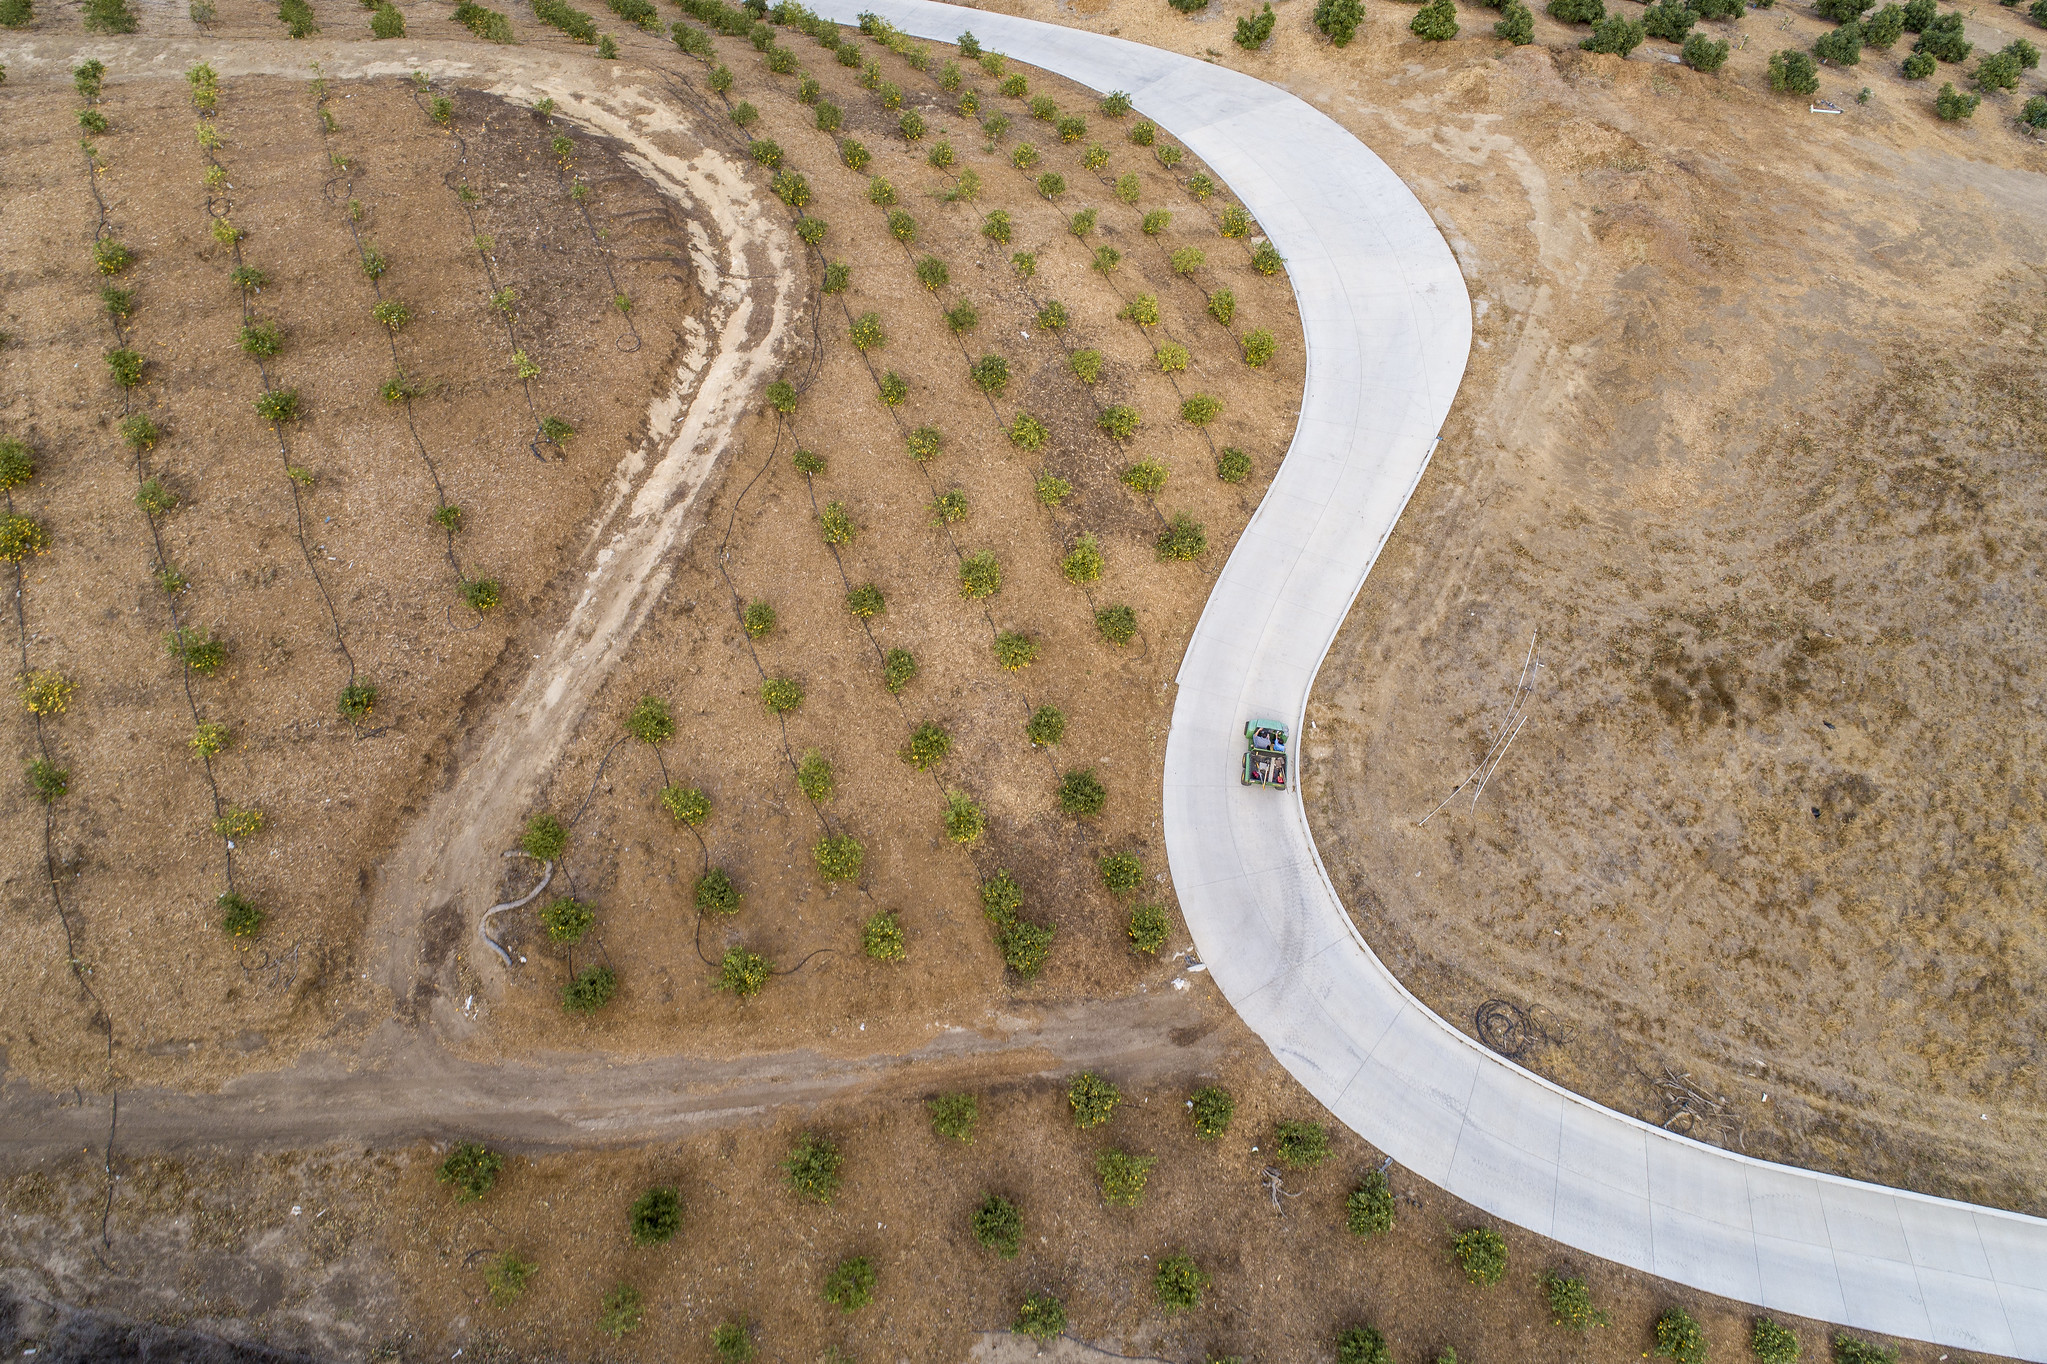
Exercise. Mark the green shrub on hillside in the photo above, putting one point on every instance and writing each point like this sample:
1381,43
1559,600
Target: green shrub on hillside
1773,1344
813,1167
1482,1254
1679,1339
997,1224
954,1116
1368,1211
1339,20
839,857
472,1168
592,989
881,937
1081,793
1093,1098
1123,1177
1211,1108
656,1216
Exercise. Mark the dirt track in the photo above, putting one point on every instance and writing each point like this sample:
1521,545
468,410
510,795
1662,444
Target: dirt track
1540,164
400,1087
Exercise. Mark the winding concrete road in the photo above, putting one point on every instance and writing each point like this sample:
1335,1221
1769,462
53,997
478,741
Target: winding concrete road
1388,327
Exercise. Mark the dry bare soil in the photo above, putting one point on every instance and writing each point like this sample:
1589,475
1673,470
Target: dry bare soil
486,746
1621,223
1749,449
358,1255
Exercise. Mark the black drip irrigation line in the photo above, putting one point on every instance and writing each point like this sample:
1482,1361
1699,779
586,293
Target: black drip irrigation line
349,220
686,91
806,377
101,231
952,539
457,183
739,614
1172,377
561,166
598,776
1066,538
816,362
813,365
680,85
1208,298
901,425
100,1018
1204,570
219,213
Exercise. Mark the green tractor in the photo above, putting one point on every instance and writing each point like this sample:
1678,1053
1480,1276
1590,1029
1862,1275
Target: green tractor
1265,754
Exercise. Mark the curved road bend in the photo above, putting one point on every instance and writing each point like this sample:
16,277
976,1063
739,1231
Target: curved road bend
1388,327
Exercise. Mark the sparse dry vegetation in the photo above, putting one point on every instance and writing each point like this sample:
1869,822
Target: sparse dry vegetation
916,631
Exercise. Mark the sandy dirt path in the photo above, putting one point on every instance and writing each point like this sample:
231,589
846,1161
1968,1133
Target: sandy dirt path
400,1086
741,254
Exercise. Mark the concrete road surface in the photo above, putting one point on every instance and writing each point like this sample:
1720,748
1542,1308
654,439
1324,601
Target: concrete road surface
1388,326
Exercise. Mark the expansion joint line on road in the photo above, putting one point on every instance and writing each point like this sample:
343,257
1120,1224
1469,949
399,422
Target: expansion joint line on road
373,270
500,299
282,403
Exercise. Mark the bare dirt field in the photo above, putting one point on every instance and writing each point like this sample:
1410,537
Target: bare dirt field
307,580
762,543
480,181
348,1254
1748,444
1742,374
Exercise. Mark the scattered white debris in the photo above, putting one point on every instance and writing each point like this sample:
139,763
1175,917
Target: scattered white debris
295,1210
